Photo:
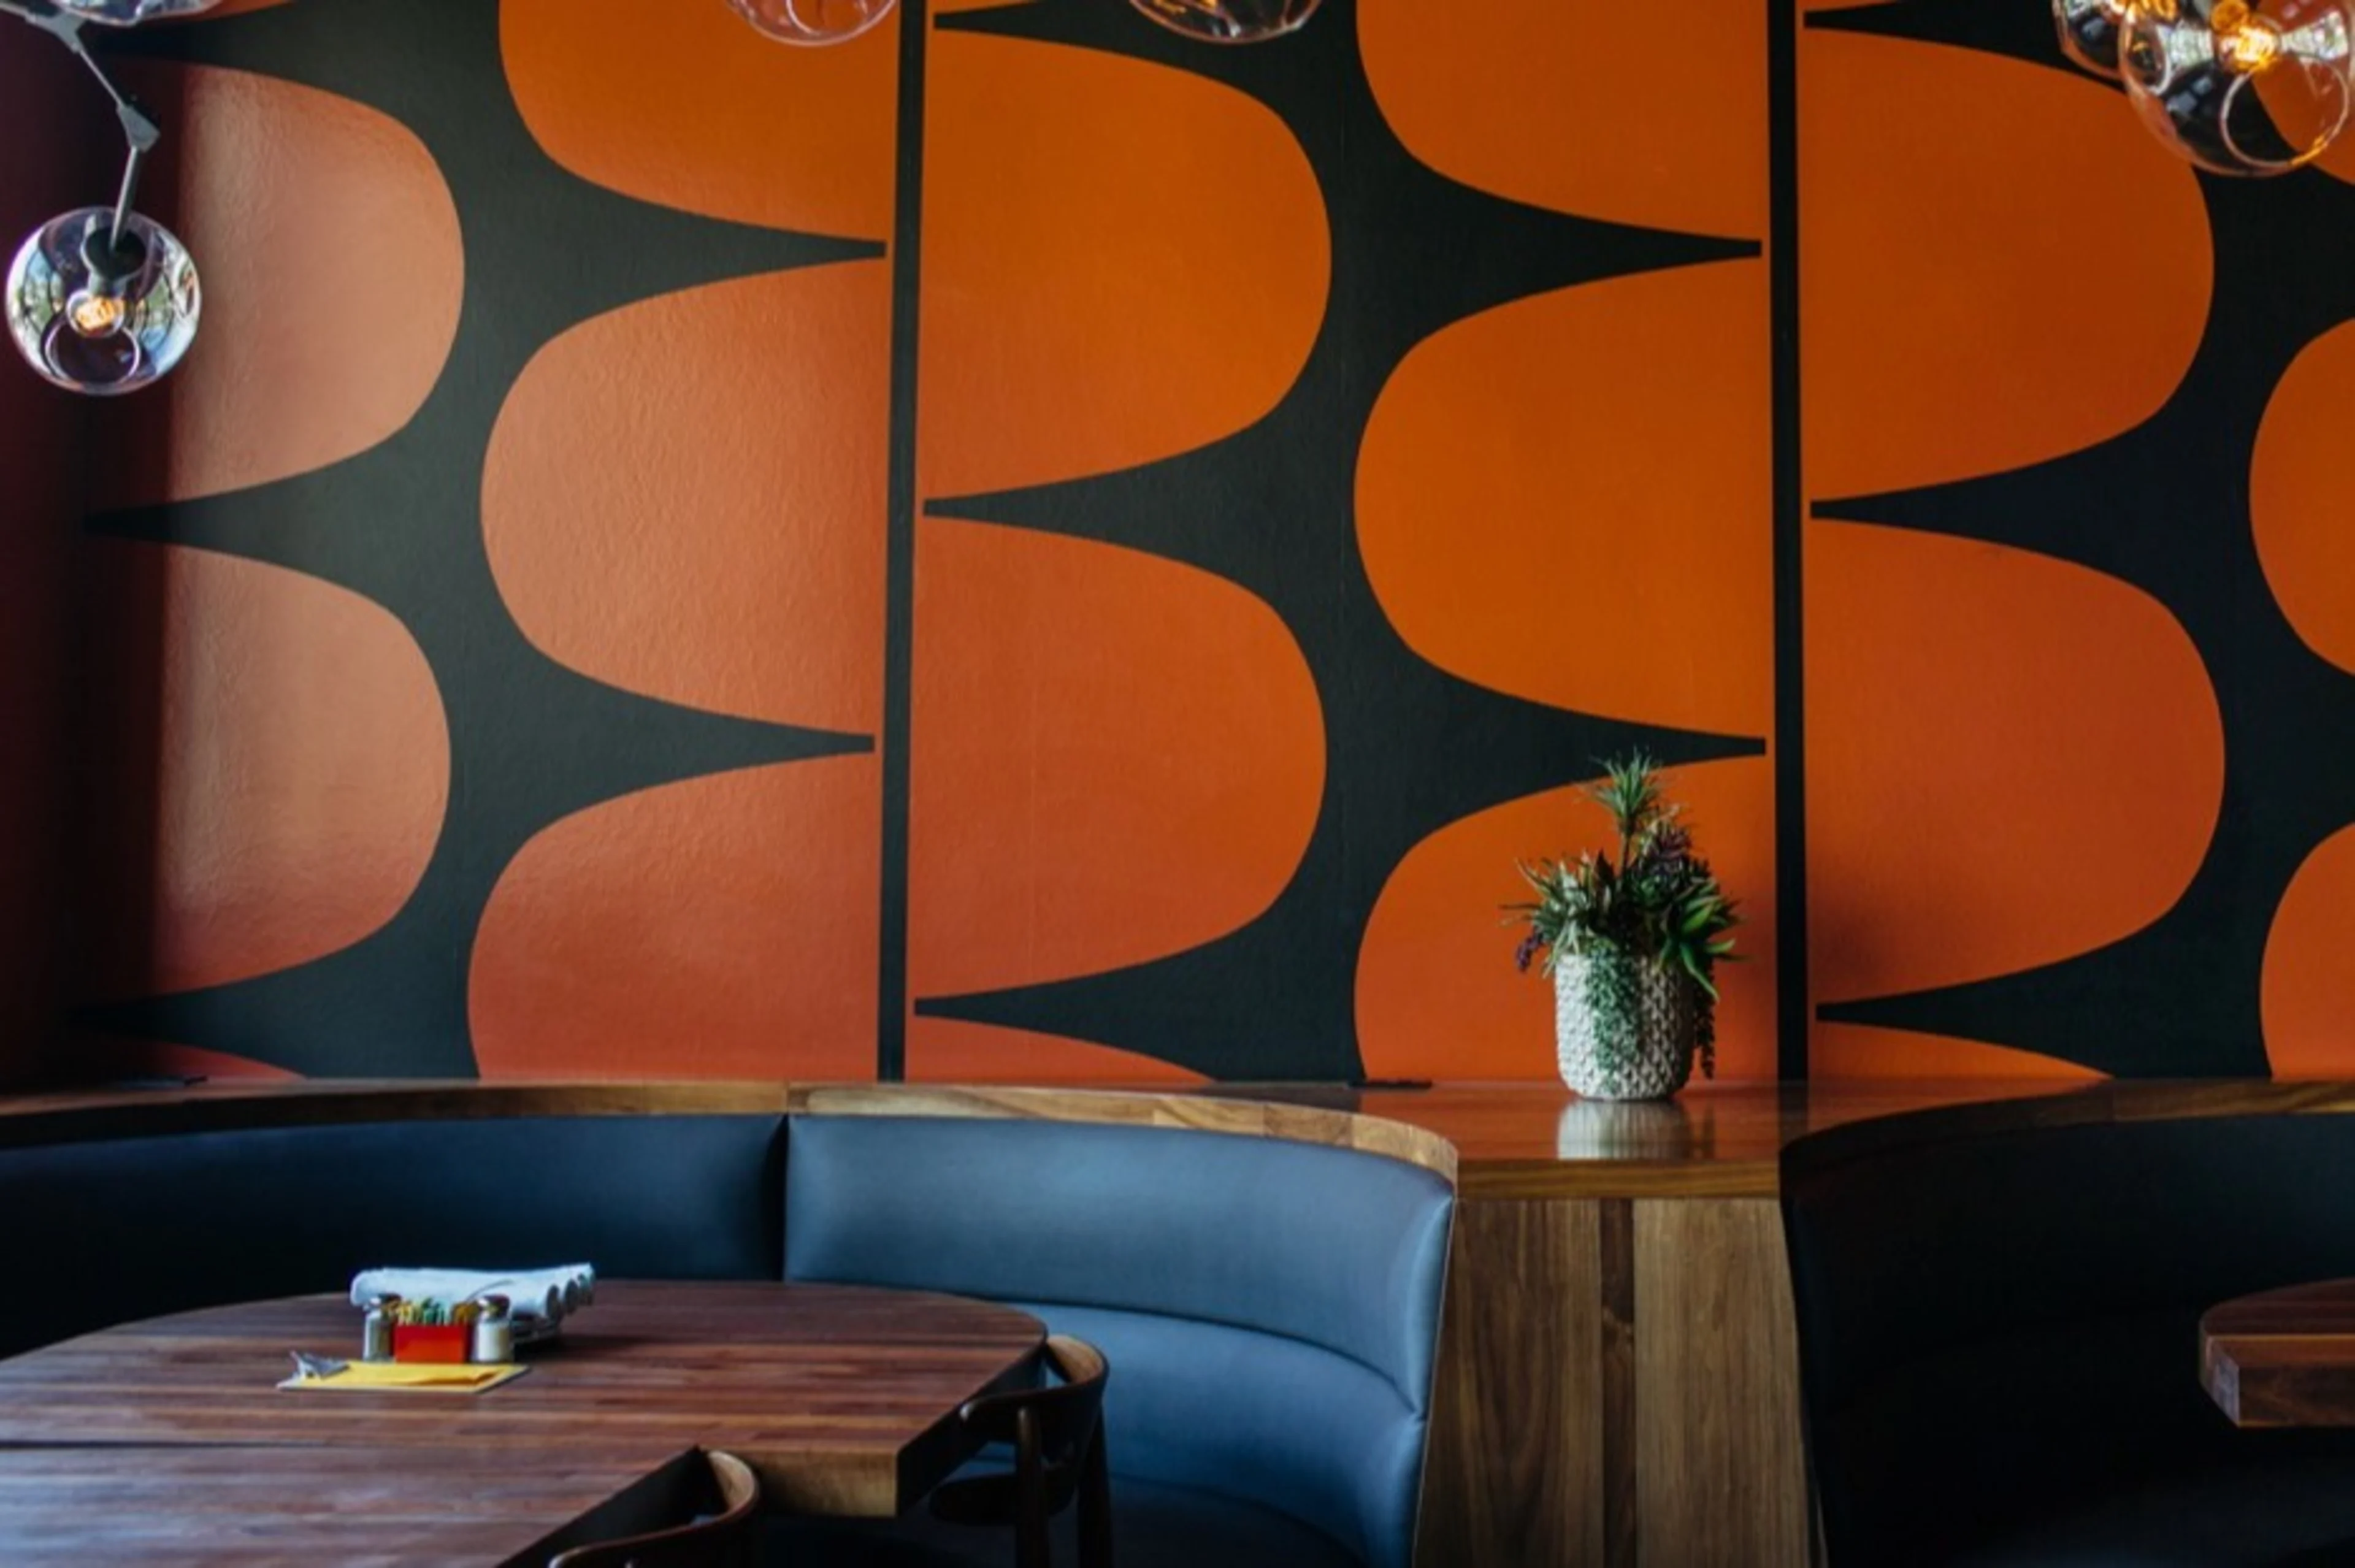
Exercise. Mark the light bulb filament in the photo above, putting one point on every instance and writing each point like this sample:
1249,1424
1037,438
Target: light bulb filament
2245,42
96,315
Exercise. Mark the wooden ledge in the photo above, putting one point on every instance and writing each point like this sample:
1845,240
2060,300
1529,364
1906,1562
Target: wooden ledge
240,1104
1253,1113
1497,1141
2111,1103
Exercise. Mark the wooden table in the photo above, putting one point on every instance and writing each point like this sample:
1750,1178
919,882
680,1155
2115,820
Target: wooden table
2282,1357
842,1398
215,1508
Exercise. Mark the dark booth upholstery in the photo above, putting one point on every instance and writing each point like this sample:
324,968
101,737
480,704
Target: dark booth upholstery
1998,1332
132,1228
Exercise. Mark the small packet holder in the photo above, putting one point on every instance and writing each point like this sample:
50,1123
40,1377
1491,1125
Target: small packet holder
430,1342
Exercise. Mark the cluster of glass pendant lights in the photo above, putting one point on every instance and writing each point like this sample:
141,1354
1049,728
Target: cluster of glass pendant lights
2239,87
104,300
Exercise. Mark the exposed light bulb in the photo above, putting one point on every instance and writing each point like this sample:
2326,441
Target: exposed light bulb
813,21
96,315
2245,41
1228,21
2241,87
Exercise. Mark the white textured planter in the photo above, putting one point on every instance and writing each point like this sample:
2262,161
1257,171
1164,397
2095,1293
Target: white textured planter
1625,1029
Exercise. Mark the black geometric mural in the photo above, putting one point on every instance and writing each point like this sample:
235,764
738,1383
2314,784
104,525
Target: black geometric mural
530,740
2165,508
1411,748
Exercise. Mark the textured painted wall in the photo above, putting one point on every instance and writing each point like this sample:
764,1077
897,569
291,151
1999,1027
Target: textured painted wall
1023,547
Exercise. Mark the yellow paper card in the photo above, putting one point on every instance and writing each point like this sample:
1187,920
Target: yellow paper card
419,1376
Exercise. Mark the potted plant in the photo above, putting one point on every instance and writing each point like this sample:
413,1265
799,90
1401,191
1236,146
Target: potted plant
1632,945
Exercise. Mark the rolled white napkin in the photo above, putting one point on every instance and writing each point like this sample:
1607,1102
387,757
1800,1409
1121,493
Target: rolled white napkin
544,1293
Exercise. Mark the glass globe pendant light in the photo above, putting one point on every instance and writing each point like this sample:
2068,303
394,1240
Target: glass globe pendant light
102,300
1228,21
2089,33
101,312
2241,87
130,13
813,21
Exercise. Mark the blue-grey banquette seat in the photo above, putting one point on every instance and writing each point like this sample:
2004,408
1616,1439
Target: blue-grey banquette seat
1270,1307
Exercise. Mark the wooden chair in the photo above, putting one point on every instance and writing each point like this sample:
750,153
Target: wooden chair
1057,1432
723,1540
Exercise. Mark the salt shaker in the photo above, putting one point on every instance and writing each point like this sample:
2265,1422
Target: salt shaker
494,1338
375,1330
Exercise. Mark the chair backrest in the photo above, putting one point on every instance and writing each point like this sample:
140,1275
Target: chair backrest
1057,1435
722,1540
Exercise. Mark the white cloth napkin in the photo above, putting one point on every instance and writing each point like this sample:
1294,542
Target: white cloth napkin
545,1293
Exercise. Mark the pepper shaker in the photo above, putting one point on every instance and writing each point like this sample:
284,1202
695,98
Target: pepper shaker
494,1338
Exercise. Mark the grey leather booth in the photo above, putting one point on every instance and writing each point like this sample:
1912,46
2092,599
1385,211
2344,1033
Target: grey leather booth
1269,1308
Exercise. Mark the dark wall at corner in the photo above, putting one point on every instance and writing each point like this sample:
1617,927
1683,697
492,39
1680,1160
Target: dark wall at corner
41,116
1023,547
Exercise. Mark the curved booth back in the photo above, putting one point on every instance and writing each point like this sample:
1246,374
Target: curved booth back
1999,1333
1269,1308
108,1231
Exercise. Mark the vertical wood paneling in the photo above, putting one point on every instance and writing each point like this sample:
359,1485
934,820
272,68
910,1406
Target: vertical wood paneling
1615,1255
1720,1482
1515,1476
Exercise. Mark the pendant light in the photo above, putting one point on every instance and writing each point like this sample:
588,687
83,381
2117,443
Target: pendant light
103,300
1228,21
2237,87
2241,87
2089,33
813,21
128,13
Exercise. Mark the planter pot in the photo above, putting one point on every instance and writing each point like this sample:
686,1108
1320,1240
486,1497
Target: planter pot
1625,1029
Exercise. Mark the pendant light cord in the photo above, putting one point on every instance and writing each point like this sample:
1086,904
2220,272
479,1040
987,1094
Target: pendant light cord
139,131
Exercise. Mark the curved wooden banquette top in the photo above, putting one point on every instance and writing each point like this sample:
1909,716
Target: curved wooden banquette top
1998,1311
1264,1278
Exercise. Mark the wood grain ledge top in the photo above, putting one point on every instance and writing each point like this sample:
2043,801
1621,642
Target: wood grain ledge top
1497,1140
1258,1111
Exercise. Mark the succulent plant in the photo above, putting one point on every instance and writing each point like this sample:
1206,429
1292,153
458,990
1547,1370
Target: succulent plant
1658,899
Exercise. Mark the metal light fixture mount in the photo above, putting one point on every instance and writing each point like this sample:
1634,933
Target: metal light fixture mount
103,300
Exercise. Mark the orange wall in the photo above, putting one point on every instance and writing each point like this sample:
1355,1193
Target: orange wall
608,594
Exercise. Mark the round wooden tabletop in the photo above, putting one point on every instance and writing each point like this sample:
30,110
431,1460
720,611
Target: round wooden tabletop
2282,1357
842,1397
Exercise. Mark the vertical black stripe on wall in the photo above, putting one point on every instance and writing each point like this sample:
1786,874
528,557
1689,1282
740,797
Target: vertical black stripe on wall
900,546
1794,1011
